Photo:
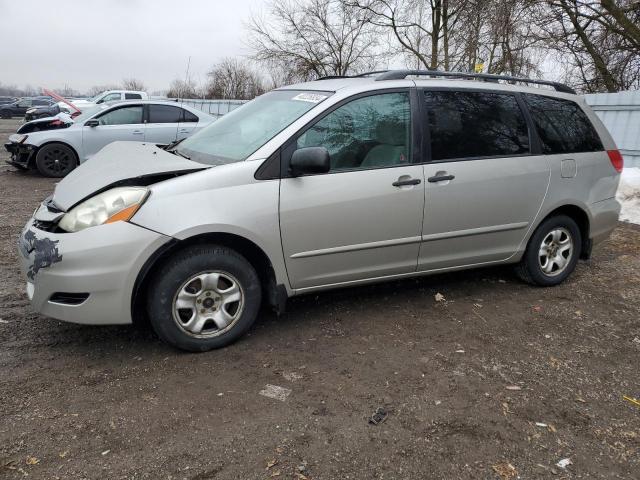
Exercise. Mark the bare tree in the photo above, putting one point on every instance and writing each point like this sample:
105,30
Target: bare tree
314,38
233,79
133,84
183,89
594,41
422,29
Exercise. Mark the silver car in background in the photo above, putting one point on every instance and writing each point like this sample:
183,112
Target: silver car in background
326,184
56,145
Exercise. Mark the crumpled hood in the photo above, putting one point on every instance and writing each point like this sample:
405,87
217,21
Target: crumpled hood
61,120
115,163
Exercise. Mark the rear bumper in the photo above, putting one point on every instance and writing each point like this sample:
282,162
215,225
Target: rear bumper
85,277
604,219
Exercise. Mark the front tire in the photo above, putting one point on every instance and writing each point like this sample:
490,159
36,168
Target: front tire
56,160
204,297
552,253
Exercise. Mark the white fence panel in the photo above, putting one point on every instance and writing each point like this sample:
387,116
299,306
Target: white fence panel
620,112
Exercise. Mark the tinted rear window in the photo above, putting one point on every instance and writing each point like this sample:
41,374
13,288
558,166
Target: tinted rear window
189,117
132,96
164,114
475,124
562,125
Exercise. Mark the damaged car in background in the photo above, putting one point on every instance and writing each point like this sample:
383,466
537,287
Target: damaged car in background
56,145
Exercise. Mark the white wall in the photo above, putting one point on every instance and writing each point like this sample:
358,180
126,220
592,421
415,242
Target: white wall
620,112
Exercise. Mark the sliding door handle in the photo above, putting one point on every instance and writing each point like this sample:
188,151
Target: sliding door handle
440,178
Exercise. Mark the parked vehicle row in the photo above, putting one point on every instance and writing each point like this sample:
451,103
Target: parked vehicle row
320,185
55,146
19,107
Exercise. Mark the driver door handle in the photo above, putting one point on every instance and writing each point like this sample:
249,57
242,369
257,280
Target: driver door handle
408,181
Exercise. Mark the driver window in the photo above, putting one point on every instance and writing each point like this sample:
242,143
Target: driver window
122,116
369,132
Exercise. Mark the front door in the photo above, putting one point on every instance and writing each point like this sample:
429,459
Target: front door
363,218
121,123
484,187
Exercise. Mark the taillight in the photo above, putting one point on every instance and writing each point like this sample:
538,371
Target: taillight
616,160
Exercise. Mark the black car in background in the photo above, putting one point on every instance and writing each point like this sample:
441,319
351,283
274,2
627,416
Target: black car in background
42,112
5,100
20,107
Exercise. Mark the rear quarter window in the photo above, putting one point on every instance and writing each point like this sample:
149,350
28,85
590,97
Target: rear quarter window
189,117
562,126
132,96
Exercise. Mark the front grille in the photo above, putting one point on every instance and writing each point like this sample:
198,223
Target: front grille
51,227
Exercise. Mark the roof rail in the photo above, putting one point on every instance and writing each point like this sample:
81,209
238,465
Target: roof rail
360,75
488,77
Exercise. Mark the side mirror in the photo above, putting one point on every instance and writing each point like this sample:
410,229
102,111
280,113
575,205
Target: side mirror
310,160
92,123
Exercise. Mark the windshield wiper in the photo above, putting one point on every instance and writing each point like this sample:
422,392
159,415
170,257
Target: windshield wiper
173,144
178,152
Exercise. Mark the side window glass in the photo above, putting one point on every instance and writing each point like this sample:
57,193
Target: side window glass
164,114
368,132
122,116
475,124
132,96
110,98
562,126
189,117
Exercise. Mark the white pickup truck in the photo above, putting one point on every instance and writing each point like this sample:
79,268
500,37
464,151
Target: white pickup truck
106,96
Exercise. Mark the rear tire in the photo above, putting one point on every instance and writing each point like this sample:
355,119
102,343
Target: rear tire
552,253
203,297
56,160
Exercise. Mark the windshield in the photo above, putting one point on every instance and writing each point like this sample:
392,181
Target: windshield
88,112
241,132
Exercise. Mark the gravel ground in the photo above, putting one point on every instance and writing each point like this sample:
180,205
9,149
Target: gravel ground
498,380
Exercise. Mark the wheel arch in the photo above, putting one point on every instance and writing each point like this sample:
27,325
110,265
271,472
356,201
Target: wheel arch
275,295
32,160
581,217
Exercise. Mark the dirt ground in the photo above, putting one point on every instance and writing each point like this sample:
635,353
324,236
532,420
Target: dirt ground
499,380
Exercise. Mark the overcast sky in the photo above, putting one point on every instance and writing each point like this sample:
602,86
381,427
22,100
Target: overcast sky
82,43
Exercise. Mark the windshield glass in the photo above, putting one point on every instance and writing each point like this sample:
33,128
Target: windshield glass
88,112
241,132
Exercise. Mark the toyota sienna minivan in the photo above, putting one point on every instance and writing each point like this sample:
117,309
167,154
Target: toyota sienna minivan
332,183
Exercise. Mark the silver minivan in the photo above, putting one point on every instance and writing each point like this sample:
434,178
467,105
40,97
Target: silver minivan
325,184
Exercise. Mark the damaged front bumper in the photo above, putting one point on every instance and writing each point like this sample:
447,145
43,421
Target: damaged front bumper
21,153
84,277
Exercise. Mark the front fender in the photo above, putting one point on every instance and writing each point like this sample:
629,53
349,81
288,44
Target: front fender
223,199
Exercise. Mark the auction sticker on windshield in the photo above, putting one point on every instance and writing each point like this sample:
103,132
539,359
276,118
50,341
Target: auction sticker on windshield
310,97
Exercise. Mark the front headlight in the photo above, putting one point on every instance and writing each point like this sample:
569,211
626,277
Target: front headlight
117,204
31,110
20,138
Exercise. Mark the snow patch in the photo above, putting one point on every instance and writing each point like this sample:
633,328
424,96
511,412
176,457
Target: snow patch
629,195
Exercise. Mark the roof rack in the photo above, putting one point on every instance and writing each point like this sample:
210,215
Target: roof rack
360,75
487,77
